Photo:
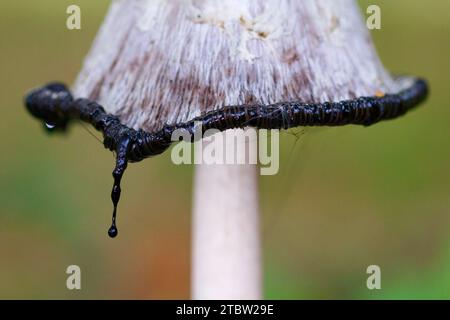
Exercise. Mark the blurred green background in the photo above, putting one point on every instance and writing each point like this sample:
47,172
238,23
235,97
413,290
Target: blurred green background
344,199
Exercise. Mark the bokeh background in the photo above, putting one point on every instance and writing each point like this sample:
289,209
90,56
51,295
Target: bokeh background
344,199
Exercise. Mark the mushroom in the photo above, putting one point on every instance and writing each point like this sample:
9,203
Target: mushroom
161,66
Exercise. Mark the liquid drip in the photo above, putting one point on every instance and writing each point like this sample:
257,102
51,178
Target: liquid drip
49,126
115,197
121,165
112,231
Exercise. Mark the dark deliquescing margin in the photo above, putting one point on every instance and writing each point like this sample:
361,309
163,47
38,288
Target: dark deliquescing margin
55,105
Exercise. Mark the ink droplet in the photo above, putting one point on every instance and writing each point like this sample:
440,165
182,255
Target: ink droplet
112,231
49,126
115,197
121,165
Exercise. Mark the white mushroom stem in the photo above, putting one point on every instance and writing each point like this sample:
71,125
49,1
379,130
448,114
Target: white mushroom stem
226,242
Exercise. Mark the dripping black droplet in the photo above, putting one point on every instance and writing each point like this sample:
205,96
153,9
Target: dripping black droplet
112,231
49,127
115,197
121,165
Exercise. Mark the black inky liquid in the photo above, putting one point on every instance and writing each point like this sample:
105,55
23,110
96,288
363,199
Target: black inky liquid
121,165
115,197
55,105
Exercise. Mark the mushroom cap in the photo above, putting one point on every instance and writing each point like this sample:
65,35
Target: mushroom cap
157,63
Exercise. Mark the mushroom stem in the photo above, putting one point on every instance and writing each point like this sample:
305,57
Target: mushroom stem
226,242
